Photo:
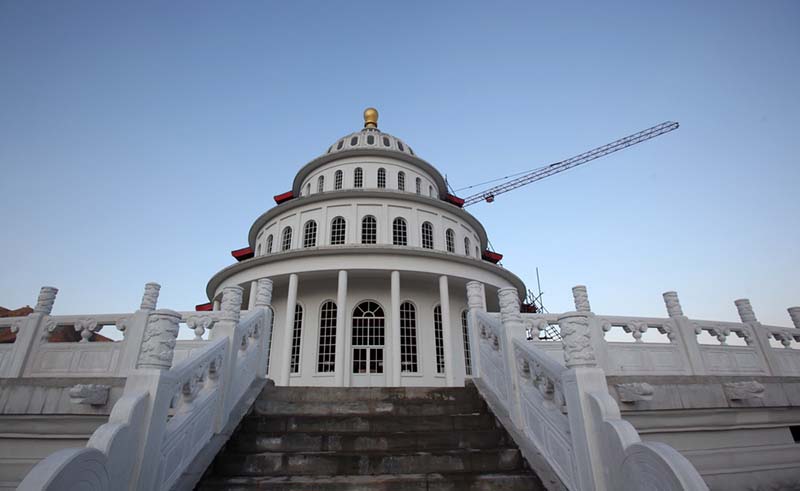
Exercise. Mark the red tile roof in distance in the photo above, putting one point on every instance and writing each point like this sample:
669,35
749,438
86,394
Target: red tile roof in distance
451,198
492,257
204,307
243,253
280,198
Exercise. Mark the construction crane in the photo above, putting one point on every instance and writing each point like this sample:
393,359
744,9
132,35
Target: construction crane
490,194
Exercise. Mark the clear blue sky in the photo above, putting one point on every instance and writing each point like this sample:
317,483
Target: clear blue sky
139,140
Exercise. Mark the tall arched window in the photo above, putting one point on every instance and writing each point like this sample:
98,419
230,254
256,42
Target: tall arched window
326,357
477,253
269,244
408,338
427,235
399,232
258,250
430,191
310,234
358,178
466,246
369,230
320,184
338,231
338,176
467,350
286,240
419,185
450,240
438,336
308,189
401,181
297,334
368,335
381,178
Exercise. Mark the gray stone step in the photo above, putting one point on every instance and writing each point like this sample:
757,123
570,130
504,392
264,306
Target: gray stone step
400,407
385,482
367,442
391,394
361,424
348,463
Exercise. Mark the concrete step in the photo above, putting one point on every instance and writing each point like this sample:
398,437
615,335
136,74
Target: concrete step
383,482
392,394
349,463
366,423
367,442
400,407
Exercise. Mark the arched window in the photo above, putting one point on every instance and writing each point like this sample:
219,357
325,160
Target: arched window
337,180
477,253
286,240
308,189
450,240
269,244
338,231
358,178
258,250
408,338
438,336
368,338
326,357
381,178
427,235
466,246
297,334
401,181
310,234
320,184
467,350
430,191
419,185
399,232
369,230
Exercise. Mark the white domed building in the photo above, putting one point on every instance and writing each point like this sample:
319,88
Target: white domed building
369,257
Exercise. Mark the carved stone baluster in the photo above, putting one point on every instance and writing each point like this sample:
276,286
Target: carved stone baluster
264,300
28,334
679,326
772,365
476,301
513,327
264,293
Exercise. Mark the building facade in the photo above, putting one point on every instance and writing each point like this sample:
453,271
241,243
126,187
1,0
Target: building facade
369,257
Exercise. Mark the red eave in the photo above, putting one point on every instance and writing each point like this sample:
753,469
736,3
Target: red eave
451,198
204,307
492,257
243,253
280,198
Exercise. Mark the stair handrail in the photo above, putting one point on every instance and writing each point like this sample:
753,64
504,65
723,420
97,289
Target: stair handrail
169,415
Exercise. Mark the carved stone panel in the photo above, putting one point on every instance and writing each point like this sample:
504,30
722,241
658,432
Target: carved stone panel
158,342
578,350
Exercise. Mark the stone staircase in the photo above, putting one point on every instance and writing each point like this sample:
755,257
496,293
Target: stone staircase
332,439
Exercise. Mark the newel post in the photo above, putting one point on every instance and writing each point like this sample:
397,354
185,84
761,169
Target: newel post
151,375
582,377
29,332
513,327
686,332
133,328
264,301
580,297
476,301
230,311
794,314
771,362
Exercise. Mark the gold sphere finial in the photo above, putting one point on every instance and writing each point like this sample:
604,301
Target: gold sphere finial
370,117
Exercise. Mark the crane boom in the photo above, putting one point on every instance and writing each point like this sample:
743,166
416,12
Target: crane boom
548,170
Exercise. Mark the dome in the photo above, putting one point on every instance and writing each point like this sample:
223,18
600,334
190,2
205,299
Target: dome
370,139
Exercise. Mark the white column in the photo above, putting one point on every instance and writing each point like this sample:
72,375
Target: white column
342,333
444,300
395,333
286,352
251,302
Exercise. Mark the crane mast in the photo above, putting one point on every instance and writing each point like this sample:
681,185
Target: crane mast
488,195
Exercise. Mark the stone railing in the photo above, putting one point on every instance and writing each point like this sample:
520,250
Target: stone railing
560,412
677,345
172,418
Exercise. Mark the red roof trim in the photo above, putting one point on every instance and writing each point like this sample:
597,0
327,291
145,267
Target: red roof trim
243,253
281,198
204,307
492,257
451,198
